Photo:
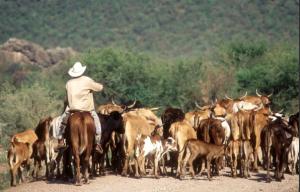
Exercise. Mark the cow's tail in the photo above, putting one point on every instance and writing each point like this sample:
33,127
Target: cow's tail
11,155
83,135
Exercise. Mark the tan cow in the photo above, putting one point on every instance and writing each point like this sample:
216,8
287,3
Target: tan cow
181,131
139,121
27,136
18,155
258,100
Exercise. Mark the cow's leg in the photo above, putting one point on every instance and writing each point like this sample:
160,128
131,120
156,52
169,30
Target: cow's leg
255,153
143,166
47,169
234,158
13,173
191,159
208,160
35,170
179,165
137,165
127,156
156,166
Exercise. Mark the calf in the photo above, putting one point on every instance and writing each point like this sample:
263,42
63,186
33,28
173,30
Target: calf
18,155
39,155
195,148
293,154
154,146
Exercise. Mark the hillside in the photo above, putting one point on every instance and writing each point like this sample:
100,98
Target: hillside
164,27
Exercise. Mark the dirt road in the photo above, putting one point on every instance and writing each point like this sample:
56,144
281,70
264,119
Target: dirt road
224,183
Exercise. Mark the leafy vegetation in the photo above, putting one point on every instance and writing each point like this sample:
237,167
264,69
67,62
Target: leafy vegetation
167,28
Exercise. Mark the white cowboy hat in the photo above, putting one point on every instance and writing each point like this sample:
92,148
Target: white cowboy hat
77,70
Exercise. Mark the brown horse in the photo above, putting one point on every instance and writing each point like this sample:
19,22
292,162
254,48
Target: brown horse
80,133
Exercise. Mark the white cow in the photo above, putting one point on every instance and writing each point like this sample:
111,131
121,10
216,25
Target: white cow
152,147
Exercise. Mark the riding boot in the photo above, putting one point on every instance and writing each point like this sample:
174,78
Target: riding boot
98,147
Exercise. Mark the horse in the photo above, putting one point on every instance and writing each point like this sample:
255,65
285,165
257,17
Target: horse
79,134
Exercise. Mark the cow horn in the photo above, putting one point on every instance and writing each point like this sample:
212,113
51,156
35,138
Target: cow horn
132,105
228,97
244,95
154,108
197,105
280,111
260,107
113,102
270,95
257,93
271,110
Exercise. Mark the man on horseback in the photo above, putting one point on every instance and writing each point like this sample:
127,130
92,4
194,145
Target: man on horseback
80,98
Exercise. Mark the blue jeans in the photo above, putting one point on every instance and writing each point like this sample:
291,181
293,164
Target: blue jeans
65,116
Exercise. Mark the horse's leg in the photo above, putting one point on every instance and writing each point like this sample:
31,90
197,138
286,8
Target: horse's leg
77,166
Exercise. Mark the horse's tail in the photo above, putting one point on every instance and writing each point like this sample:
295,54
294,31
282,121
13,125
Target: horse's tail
83,135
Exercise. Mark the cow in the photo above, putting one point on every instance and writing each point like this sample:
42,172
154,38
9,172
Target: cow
195,148
152,146
18,155
110,107
293,155
242,130
110,123
169,116
42,147
80,133
27,136
260,120
258,100
294,122
211,131
277,136
138,121
39,155
181,131
194,117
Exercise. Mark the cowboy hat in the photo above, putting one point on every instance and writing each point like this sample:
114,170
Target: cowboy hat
77,70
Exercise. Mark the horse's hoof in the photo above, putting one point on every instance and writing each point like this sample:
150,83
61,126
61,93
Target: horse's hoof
156,177
78,184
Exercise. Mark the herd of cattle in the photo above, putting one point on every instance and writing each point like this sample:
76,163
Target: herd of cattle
240,133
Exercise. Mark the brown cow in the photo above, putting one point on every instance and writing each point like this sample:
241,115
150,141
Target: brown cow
80,133
39,155
277,136
195,148
18,155
42,147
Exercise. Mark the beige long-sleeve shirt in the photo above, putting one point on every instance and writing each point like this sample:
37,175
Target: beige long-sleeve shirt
79,91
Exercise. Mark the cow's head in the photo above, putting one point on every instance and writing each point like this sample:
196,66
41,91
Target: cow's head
265,98
170,116
110,107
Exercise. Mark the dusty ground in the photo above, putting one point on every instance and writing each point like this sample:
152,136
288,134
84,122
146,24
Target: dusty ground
224,183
